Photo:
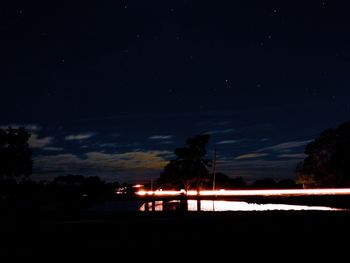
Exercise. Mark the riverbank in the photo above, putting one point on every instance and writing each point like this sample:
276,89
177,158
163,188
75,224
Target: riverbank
140,235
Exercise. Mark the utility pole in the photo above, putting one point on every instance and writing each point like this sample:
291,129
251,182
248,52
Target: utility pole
214,169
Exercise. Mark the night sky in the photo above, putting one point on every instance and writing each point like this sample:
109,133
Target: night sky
111,88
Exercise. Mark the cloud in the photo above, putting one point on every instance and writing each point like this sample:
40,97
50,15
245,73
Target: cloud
80,136
32,127
28,127
219,131
108,145
53,149
255,164
95,162
293,155
251,155
160,137
165,142
36,142
227,142
253,169
222,123
285,145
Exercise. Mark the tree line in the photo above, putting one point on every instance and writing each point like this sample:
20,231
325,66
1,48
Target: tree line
327,164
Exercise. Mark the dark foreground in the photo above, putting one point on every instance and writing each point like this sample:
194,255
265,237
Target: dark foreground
174,236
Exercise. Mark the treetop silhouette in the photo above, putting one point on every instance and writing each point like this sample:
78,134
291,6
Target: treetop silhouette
328,159
15,154
190,167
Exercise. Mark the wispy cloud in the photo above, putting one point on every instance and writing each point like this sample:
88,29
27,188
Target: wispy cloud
54,149
222,123
219,131
253,169
108,145
165,142
98,161
293,155
29,127
227,142
79,136
251,155
36,142
160,137
253,163
285,145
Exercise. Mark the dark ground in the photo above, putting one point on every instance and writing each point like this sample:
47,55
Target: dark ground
274,235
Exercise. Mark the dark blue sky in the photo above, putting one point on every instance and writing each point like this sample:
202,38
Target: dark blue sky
111,88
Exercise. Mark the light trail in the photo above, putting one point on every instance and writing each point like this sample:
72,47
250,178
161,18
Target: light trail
271,192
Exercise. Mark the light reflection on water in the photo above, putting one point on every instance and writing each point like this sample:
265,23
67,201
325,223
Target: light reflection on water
220,205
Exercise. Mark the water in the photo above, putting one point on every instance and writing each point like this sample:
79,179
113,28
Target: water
221,205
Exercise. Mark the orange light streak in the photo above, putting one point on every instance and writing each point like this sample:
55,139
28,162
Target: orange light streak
272,192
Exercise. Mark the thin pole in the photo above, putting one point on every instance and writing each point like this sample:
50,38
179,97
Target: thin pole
214,169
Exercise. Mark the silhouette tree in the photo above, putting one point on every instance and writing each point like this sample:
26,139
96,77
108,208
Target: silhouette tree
189,169
266,183
224,181
328,160
287,184
79,185
15,154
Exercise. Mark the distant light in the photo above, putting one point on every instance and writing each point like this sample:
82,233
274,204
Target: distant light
138,185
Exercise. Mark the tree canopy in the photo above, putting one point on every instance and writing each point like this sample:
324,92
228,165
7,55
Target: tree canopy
189,168
15,154
328,159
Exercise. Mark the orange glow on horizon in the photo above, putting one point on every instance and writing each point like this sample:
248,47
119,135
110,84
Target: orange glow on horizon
271,192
